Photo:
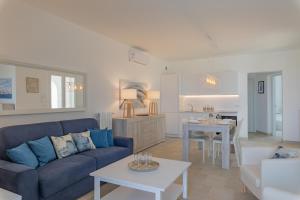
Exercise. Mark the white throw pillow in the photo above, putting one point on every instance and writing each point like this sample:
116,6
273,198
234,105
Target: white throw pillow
64,145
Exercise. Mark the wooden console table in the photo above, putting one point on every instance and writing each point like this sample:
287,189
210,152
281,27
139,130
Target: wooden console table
146,131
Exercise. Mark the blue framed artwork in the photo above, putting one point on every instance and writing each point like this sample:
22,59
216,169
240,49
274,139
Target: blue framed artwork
5,88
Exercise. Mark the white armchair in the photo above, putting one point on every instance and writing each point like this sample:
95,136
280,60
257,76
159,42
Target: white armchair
270,193
258,171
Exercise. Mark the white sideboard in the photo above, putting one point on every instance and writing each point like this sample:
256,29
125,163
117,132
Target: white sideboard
146,131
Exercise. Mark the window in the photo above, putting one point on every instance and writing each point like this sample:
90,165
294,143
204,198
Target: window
70,88
56,91
64,91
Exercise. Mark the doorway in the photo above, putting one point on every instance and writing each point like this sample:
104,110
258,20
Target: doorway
265,94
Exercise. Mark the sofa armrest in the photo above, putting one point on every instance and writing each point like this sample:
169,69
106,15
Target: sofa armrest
281,173
270,193
253,155
19,179
124,142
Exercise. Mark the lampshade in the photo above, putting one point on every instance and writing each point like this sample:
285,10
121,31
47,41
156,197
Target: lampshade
129,94
153,94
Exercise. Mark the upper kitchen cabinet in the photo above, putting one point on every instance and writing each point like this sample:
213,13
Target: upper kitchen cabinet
217,83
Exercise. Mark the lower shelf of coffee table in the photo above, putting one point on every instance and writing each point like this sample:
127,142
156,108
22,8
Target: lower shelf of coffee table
124,193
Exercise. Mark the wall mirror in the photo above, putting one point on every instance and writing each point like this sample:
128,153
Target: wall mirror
29,89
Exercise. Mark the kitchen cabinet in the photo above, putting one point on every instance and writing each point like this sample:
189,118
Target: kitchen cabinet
172,124
195,84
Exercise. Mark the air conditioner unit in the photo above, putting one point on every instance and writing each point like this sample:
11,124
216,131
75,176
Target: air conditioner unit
138,56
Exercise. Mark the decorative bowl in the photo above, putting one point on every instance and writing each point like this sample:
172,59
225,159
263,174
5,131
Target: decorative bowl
143,166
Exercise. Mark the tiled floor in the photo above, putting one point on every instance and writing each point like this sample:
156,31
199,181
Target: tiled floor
206,181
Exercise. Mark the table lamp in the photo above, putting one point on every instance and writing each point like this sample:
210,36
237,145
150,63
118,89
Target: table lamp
153,96
128,95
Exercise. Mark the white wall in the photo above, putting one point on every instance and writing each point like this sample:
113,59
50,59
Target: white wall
286,61
34,36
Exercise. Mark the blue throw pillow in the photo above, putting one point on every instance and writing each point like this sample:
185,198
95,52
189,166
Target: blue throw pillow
43,149
23,155
110,137
99,138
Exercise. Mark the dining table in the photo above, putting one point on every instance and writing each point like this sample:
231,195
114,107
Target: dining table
211,126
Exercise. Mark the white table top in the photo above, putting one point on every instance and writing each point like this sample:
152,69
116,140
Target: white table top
7,195
160,179
212,122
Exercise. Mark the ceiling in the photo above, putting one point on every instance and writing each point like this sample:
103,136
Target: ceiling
187,29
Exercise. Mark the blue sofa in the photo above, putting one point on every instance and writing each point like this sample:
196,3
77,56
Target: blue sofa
62,179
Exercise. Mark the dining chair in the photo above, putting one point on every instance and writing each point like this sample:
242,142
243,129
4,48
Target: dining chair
234,140
201,138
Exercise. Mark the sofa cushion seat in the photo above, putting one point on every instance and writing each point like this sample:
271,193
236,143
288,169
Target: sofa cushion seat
106,156
57,175
251,174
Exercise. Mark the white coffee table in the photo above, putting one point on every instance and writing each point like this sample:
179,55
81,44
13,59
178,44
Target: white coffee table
158,185
7,195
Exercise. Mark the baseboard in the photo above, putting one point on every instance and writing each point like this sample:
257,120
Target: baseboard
173,136
261,132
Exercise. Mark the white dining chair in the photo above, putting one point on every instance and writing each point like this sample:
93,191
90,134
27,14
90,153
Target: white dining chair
234,140
201,138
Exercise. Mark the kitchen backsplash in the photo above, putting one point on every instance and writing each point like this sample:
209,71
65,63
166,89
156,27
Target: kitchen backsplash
220,103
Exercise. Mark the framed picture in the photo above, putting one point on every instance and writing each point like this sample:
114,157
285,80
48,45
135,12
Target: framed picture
32,85
6,88
141,92
261,87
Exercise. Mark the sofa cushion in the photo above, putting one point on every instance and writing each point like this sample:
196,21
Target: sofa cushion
62,173
99,137
23,155
43,149
251,174
105,156
83,141
79,125
110,137
15,135
64,146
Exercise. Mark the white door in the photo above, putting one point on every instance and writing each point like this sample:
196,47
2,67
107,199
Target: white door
169,97
251,105
169,102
